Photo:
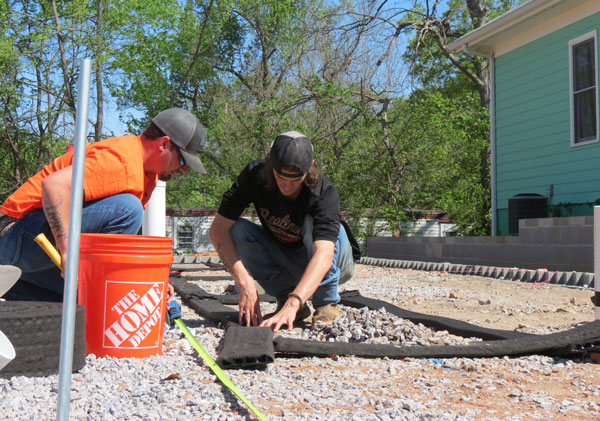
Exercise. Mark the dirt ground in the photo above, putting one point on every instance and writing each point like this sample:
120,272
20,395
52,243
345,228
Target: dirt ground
501,388
493,303
498,387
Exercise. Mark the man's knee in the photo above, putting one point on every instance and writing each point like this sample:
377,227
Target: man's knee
133,206
119,214
131,213
243,230
346,272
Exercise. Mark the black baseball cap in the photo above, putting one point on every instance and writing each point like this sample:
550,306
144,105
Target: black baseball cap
186,133
291,149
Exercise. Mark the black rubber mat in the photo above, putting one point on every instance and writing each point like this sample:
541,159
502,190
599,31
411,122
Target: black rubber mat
247,347
34,329
496,343
569,343
189,289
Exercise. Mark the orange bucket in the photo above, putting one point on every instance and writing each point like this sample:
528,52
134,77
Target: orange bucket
123,286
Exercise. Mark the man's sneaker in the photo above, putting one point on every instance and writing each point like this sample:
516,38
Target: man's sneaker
303,312
326,313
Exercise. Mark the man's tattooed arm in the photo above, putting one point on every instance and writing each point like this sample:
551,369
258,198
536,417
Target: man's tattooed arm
55,222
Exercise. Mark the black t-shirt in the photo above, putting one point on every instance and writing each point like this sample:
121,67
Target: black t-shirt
281,217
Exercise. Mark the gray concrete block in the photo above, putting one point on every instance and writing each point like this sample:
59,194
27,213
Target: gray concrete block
529,222
518,275
557,277
457,269
525,235
511,273
580,257
585,280
485,271
497,251
559,222
574,221
527,276
568,235
574,279
552,236
506,273
584,235
493,272
539,235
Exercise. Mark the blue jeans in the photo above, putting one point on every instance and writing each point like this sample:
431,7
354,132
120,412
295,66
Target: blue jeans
40,278
278,269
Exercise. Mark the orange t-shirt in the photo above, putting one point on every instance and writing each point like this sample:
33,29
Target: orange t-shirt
112,166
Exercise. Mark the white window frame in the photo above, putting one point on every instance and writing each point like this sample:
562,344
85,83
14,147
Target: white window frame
576,41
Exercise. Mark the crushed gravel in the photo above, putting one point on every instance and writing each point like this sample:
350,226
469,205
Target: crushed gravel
179,386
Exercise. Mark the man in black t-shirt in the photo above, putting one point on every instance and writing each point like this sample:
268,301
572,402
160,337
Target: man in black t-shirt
299,251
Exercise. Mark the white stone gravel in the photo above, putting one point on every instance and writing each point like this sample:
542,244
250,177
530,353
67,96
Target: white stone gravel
179,386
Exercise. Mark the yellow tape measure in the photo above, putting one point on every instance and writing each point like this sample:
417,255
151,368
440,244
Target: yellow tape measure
215,367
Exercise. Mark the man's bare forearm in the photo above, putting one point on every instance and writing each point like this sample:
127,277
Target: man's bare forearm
219,249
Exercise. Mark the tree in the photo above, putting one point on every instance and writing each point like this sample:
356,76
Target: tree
384,133
292,74
429,29
36,92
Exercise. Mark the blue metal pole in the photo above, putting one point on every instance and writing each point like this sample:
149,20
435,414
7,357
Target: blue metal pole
70,292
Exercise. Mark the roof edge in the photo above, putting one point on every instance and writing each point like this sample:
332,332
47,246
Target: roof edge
502,22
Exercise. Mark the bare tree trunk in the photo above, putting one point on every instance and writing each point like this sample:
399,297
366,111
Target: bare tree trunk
98,65
63,60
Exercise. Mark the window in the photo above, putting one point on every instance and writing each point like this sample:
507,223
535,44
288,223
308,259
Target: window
584,89
185,237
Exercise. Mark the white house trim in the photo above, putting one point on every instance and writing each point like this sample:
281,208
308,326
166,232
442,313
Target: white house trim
590,35
526,23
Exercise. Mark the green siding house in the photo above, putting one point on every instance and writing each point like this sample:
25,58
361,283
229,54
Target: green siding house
544,106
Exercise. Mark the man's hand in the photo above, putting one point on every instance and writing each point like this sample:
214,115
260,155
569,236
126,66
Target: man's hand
170,292
249,313
285,316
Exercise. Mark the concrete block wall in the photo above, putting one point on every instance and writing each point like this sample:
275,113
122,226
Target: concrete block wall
555,244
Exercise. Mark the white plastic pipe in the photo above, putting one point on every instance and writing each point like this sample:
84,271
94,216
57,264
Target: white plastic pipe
155,215
70,292
597,261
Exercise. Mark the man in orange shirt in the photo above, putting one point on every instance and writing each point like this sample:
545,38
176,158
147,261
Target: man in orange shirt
119,177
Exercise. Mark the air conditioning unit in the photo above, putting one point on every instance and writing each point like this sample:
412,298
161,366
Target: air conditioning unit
524,206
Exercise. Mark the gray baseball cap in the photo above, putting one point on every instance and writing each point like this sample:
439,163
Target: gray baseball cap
186,133
291,149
